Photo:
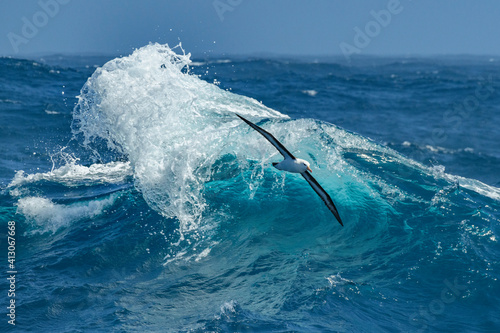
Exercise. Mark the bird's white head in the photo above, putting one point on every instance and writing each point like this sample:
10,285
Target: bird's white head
304,165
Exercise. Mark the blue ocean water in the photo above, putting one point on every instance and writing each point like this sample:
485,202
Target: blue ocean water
141,203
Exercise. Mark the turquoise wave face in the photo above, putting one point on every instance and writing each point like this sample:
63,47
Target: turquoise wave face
194,219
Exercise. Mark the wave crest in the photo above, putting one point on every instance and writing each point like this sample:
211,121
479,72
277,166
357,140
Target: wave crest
171,125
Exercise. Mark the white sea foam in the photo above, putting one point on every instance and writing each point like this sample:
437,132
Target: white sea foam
223,61
311,93
48,216
477,186
73,174
197,63
52,112
228,308
336,280
10,101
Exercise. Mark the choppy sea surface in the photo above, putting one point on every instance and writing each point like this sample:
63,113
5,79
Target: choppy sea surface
142,204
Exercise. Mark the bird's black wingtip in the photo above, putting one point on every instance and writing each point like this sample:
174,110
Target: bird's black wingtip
336,214
338,219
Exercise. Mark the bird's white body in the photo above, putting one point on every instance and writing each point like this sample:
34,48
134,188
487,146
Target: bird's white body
293,165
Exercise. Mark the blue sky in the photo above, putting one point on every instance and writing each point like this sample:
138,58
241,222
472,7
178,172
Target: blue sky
215,27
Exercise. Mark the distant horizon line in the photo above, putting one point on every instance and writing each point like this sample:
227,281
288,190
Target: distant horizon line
262,55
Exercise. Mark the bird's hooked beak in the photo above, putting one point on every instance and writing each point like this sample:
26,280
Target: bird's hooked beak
308,168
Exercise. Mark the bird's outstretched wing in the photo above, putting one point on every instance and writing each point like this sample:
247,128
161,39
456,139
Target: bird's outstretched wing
283,151
310,179
322,194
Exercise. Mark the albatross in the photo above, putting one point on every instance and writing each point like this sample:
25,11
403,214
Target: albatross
296,165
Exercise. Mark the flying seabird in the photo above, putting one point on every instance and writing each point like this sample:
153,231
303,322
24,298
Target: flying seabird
296,165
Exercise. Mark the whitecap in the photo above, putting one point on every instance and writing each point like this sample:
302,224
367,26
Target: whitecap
197,63
47,216
171,125
406,143
311,93
73,174
476,186
52,112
